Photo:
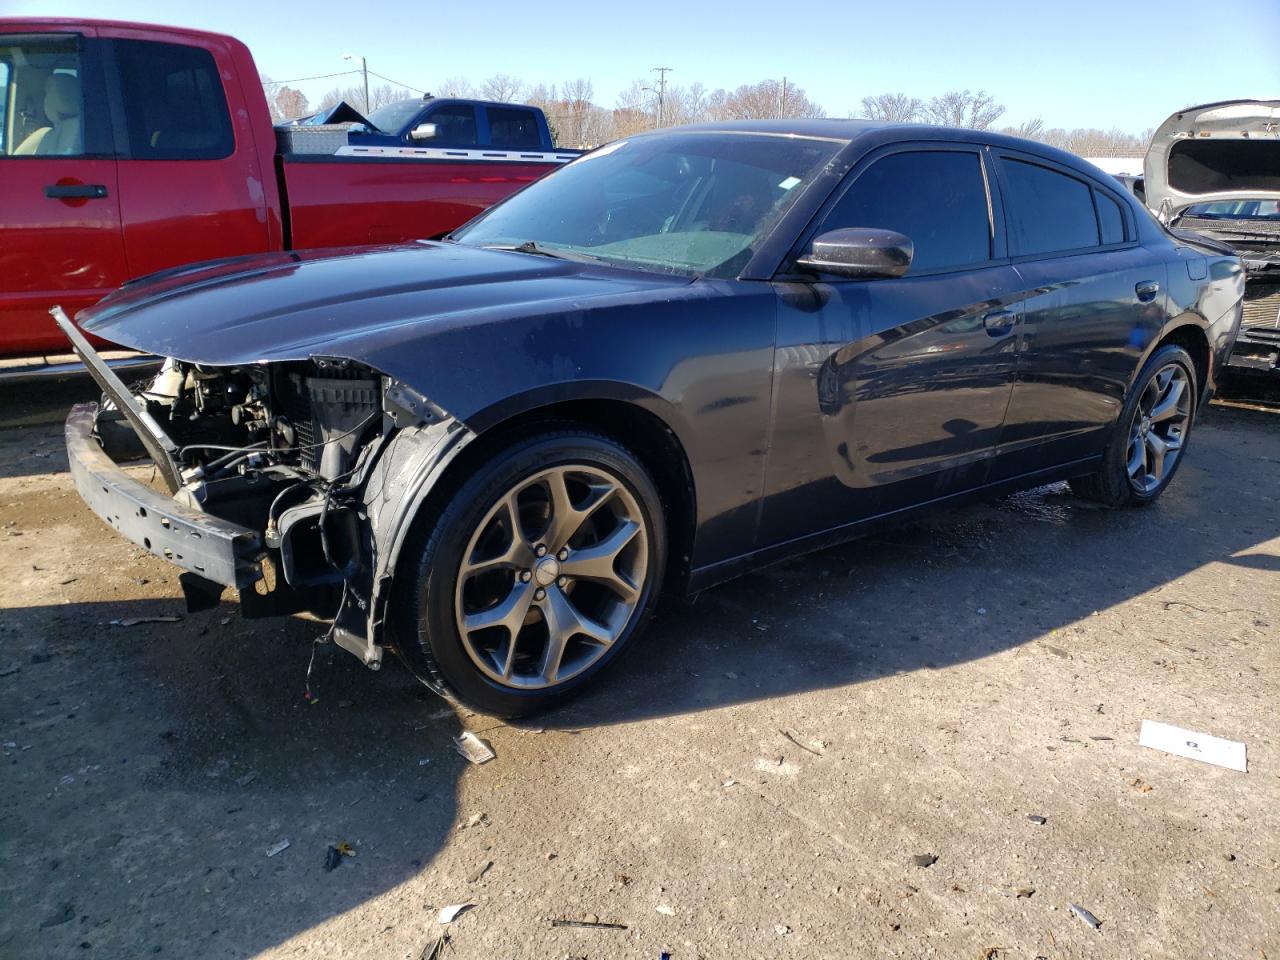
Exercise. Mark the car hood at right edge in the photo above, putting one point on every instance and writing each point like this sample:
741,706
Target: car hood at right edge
1212,153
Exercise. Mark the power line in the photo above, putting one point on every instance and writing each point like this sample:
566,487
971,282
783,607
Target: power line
399,84
323,76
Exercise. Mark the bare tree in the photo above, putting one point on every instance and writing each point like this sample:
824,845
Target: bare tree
501,87
892,107
1032,129
287,104
352,95
768,98
577,109
456,87
960,108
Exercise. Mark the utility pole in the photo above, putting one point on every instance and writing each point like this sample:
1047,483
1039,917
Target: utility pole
364,68
662,89
782,112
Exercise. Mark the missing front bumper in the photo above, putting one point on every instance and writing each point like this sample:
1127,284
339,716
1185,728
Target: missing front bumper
211,548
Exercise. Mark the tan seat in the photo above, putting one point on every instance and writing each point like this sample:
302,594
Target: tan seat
62,106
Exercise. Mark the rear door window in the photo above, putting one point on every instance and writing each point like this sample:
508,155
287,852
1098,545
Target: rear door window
47,109
509,127
937,198
174,106
1110,219
455,125
1047,211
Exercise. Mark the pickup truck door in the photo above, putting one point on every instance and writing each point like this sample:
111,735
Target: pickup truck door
60,240
191,184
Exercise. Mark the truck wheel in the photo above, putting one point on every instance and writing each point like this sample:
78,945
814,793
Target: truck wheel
542,567
1150,436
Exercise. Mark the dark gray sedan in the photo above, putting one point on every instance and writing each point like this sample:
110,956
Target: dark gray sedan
679,357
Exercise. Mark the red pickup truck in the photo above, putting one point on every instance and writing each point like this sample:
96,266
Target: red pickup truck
126,149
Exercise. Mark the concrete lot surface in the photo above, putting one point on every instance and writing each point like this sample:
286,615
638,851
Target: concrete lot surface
764,776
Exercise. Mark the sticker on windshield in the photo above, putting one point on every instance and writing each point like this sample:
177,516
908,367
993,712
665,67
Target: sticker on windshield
788,183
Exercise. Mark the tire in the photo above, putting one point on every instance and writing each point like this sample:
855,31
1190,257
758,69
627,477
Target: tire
1122,481
472,569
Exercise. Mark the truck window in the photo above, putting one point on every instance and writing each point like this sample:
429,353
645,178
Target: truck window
41,105
174,107
513,128
455,125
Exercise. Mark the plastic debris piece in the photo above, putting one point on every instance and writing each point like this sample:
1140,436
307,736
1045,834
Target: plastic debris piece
1086,916
1193,746
332,859
480,871
453,912
473,748
666,911
1037,819
135,621
781,929
280,847
589,924
924,859
729,783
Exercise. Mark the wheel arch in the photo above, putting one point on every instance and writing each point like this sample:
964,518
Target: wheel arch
640,421
1191,337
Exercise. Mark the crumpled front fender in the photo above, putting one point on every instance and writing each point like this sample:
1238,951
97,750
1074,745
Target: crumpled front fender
393,493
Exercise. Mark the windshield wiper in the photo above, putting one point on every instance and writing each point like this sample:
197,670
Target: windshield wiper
532,246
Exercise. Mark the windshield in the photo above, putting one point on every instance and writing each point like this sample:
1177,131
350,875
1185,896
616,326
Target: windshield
1237,210
391,117
691,204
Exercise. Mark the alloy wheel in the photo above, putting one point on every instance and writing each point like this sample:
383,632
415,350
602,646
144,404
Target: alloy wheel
552,576
1159,427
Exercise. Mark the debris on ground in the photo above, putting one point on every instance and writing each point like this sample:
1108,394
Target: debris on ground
280,847
435,950
475,820
333,856
924,859
135,621
10,668
247,779
781,929
480,871
473,748
816,753
1140,785
729,782
66,913
453,912
1194,746
1037,819
589,924
665,910
1017,893
1086,916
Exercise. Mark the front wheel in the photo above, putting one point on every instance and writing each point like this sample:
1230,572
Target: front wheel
541,568
1150,436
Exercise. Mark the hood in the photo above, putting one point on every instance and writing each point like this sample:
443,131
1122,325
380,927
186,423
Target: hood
366,303
1214,152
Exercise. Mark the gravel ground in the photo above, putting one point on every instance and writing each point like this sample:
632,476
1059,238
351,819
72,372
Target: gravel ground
766,775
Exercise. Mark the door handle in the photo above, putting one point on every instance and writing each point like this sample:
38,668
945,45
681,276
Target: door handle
999,322
75,191
1147,290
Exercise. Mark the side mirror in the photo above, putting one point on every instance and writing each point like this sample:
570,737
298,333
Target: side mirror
859,253
423,131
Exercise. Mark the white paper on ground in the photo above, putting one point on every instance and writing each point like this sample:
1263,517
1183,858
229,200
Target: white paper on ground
1194,746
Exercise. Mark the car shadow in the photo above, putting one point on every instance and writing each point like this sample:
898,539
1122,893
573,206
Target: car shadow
181,753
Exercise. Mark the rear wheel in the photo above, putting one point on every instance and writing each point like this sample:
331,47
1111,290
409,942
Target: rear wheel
541,568
1150,436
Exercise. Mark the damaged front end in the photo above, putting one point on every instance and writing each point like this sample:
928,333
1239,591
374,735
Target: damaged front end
1214,170
293,482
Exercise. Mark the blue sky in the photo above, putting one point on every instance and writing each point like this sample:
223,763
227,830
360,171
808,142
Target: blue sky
1086,63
